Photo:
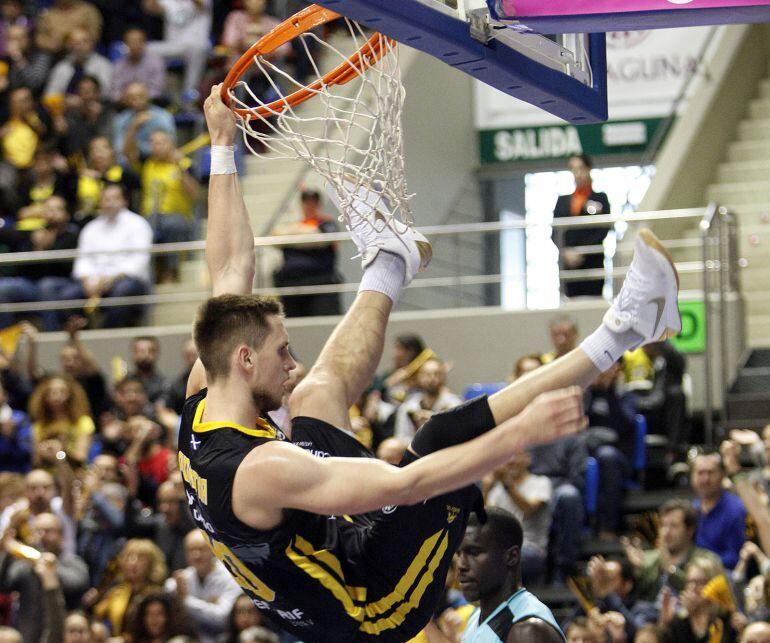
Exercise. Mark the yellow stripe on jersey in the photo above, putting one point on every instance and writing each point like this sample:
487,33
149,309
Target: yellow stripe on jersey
419,575
263,430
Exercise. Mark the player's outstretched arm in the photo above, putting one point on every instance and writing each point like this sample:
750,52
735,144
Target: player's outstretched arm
332,486
230,255
229,240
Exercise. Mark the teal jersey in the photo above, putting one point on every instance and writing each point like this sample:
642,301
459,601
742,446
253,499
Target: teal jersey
519,607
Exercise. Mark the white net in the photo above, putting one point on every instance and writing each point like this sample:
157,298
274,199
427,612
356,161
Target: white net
348,133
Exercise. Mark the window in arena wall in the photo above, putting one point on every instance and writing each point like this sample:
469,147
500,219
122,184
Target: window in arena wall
625,187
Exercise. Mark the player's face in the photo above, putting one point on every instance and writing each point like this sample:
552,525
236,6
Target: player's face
273,365
481,565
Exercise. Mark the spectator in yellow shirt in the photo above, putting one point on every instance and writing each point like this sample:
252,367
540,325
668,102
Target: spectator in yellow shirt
61,419
23,130
169,193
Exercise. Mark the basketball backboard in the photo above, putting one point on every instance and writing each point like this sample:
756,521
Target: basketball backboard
564,75
627,15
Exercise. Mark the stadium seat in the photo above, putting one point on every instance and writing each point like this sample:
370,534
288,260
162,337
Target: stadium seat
482,388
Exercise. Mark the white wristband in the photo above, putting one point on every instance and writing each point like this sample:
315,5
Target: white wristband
223,159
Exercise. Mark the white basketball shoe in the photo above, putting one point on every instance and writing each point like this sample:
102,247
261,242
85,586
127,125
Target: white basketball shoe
368,218
647,302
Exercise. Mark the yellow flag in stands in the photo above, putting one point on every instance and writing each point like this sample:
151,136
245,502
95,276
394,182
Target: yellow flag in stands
9,339
718,592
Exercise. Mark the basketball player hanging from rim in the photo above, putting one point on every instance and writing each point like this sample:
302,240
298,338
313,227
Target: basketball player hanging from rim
331,543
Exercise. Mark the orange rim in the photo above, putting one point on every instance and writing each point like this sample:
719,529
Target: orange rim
313,16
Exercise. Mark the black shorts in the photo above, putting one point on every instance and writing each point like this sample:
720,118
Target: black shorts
404,552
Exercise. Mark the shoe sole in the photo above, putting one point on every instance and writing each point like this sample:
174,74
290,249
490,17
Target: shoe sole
649,239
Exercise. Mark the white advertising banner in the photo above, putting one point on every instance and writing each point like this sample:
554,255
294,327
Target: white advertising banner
646,71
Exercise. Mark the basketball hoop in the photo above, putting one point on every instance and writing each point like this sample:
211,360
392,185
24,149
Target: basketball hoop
353,138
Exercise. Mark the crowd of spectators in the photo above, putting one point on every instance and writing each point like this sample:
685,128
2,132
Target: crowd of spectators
96,94
95,534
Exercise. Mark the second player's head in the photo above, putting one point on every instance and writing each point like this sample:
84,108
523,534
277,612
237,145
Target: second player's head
489,558
241,339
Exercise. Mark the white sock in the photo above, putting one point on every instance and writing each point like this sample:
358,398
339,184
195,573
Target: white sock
605,347
385,274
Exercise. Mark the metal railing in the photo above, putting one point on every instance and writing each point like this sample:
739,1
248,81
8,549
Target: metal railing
456,280
721,280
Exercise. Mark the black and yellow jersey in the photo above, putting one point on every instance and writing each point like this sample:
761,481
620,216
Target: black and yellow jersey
373,577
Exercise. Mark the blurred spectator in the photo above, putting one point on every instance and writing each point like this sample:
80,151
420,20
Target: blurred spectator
205,589
309,264
581,631
169,192
138,66
11,489
241,30
244,27
81,60
39,497
15,437
408,353
430,396
141,572
49,176
168,527
243,615
86,117
27,65
80,364
611,439
61,421
34,278
147,453
582,202
526,364
157,618
186,35
392,450
19,575
11,15
756,633
102,169
564,335
489,571
27,124
145,352
77,628
129,399
564,462
665,565
64,17
721,514
102,511
613,587
701,620
100,275
177,391
9,635
649,634
258,635
528,498
663,403
139,120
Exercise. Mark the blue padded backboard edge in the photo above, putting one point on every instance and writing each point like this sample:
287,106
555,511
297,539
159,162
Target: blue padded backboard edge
449,40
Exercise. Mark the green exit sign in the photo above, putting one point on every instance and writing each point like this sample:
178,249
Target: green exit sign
692,339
